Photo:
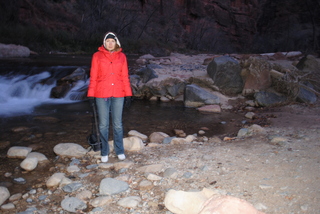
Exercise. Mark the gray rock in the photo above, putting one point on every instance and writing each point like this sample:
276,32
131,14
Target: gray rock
55,179
157,137
12,50
133,143
264,98
19,180
111,186
167,140
147,74
72,204
4,194
243,132
187,175
129,202
170,173
306,96
41,157
8,206
72,187
195,96
101,201
92,166
134,133
69,150
29,163
18,152
30,210
226,74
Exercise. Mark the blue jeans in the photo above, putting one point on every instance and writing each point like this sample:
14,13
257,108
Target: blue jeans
114,107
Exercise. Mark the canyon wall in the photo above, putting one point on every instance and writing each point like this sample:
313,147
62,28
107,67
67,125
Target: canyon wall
221,26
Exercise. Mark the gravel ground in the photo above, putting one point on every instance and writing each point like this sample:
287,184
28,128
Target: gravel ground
277,177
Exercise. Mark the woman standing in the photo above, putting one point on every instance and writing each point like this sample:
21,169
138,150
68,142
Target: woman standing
109,85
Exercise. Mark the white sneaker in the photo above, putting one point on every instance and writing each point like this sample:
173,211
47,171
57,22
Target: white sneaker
104,159
121,157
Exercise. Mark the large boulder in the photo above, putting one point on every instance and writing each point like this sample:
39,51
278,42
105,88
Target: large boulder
256,75
226,74
309,63
228,205
146,74
265,98
12,50
194,96
306,96
182,202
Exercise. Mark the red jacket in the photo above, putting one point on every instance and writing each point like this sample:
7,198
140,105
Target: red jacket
109,75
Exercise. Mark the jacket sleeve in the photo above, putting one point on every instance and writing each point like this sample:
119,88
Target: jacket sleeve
93,76
125,77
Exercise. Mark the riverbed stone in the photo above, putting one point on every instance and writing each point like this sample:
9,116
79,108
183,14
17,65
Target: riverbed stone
101,201
135,133
55,179
210,108
157,137
69,150
8,206
122,165
151,168
170,173
4,194
84,195
15,197
129,202
12,50
72,187
111,186
145,185
29,163
41,157
265,98
18,152
133,144
226,74
227,205
186,202
195,96
73,204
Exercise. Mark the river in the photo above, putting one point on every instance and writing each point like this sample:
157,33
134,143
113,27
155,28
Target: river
22,99
29,117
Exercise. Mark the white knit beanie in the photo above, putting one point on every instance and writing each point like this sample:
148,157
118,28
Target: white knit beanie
113,36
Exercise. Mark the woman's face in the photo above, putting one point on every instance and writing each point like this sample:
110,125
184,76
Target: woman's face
110,44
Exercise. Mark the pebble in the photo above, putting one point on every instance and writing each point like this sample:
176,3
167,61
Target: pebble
72,187
73,204
265,186
19,180
129,202
8,206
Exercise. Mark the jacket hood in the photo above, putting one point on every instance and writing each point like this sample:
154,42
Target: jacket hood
111,35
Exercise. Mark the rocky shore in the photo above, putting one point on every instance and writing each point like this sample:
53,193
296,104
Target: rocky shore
271,169
268,167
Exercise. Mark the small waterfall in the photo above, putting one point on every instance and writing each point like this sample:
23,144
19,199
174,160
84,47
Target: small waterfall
20,93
